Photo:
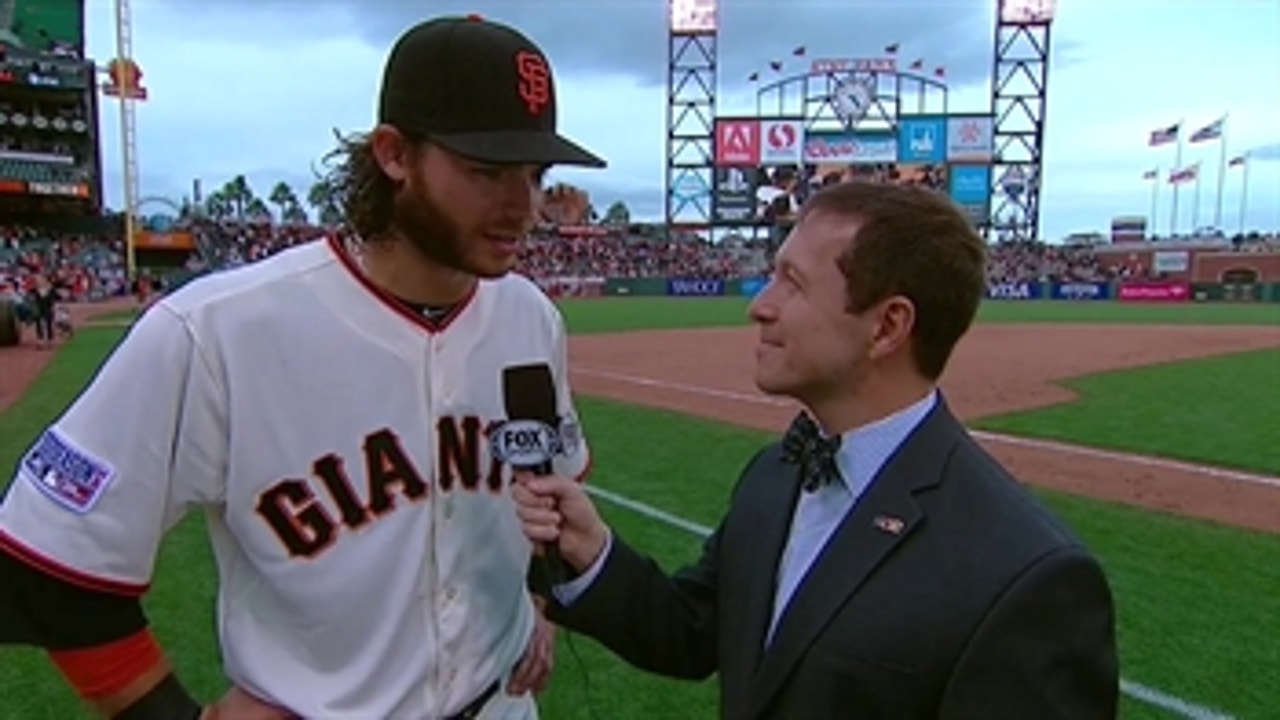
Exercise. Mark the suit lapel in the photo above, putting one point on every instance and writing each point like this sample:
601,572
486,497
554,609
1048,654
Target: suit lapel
885,516
773,507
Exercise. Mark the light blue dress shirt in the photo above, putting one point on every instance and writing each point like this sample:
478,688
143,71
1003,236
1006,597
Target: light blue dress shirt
816,516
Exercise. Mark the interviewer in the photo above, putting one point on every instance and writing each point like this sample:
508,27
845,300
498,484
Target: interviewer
875,562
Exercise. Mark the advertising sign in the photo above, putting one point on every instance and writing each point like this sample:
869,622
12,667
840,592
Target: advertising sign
695,287
922,140
1014,291
970,138
971,190
1170,261
55,27
733,198
821,148
1081,291
737,142
1156,291
782,142
750,287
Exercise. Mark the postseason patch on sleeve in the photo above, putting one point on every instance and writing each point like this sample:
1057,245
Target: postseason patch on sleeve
66,474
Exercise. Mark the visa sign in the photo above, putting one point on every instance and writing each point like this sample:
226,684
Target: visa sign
847,148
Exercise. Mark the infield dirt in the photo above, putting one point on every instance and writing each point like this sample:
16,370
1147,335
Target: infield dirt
996,369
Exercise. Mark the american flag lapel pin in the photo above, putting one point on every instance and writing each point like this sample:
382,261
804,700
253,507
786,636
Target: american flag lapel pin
889,524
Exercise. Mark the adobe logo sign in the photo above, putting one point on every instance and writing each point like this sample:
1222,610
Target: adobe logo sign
737,142
783,142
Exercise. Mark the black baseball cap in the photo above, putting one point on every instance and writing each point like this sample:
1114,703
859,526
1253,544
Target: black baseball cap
478,88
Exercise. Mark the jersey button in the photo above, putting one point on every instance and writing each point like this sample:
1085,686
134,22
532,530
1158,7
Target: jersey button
451,594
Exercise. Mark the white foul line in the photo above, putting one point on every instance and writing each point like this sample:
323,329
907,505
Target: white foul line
1151,696
1142,460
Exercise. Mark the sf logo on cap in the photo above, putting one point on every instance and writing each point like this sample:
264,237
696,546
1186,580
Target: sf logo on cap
535,80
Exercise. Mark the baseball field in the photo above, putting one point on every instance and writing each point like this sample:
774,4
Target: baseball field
1154,430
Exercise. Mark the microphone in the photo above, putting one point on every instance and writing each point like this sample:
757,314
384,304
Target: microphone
531,434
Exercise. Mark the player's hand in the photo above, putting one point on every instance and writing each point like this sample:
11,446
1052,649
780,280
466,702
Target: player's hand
554,509
237,704
534,669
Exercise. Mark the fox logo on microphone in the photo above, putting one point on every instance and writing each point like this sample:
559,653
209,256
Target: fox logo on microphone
524,443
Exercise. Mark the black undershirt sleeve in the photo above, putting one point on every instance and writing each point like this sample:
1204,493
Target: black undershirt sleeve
41,610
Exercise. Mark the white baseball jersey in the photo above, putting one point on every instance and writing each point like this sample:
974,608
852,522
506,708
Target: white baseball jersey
369,556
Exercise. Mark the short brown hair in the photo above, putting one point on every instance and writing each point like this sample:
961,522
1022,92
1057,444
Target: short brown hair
913,242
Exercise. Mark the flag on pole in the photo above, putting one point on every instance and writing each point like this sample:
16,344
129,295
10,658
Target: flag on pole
1164,135
1212,131
1186,174
1150,174
1236,161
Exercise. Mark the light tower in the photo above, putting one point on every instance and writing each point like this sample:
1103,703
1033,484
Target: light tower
691,110
1019,88
124,82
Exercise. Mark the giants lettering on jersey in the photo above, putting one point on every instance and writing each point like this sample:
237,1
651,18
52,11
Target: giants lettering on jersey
307,526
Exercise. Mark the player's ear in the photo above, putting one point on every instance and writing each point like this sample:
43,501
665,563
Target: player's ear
393,152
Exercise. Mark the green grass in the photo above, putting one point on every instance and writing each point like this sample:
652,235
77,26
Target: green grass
1194,599
1220,410
615,314
1059,311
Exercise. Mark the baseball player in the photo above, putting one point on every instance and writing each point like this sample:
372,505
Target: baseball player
329,412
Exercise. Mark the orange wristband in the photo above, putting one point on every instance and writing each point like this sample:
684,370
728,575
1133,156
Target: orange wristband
107,669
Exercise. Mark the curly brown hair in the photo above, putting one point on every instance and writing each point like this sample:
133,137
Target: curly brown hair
359,187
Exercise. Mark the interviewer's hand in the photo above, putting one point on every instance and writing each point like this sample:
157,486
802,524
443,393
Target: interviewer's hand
554,509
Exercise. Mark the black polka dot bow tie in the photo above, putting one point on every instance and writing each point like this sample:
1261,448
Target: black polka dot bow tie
804,445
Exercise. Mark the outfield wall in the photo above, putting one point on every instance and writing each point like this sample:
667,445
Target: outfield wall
1172,291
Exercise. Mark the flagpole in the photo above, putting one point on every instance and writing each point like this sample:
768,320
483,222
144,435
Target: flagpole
1177,166
1222,171
1155,194
1195,210
1244,193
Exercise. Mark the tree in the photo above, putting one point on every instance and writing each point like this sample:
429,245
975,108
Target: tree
257,210
239,195
617,215
218,205
283,197
322,198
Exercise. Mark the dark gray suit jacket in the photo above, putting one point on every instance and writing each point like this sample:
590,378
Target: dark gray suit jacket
948,592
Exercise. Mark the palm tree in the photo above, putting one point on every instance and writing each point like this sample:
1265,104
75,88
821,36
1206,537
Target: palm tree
321,197
283,197
218,205
239,194
257,210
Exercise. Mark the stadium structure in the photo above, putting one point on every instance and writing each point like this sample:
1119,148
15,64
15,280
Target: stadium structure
849,118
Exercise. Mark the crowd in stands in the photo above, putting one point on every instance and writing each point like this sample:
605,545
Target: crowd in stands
81,267
84,268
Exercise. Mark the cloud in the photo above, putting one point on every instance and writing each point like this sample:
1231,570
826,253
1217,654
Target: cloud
1270,151
628,37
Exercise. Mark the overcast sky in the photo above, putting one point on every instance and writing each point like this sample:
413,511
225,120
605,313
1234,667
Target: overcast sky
258,87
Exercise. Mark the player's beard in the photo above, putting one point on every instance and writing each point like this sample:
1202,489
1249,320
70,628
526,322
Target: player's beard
429,229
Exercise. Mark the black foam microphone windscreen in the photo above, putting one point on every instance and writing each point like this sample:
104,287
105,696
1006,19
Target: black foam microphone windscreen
529,393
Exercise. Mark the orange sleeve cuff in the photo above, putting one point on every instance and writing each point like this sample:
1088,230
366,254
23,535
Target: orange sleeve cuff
108,669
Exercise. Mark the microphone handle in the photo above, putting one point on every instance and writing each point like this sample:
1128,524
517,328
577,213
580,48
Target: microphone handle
551,551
